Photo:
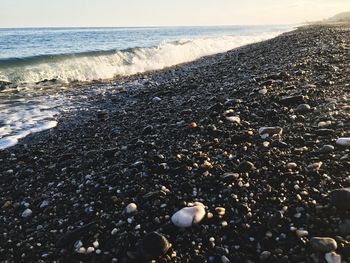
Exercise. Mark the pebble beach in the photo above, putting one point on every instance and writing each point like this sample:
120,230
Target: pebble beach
237,157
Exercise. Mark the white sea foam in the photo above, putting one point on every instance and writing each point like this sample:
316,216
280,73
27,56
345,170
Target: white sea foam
107,65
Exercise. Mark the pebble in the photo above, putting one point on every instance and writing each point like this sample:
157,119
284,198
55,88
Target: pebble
333,257
270,131
188,216
78,244
314,167
81,250
340,198
327,149
265,255
233,119
220,211
246,166
131,208
90,250
224,259
301,233
114,231
302,108
263,91
323,244
27,213
345,141
156,99
153,245
292,166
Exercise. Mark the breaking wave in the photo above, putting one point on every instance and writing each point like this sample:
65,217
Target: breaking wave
98,65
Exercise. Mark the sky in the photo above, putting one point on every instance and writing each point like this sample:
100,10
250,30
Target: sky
62,13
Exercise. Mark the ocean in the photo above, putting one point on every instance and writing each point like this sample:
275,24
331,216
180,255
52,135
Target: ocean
37,65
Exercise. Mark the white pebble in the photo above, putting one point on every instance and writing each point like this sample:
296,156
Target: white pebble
114,231
131,208
188,216
27,213
81,250
90,250
96,244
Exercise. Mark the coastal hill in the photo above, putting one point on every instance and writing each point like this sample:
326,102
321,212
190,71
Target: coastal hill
341,17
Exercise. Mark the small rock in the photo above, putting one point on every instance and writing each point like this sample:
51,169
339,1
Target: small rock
131,208
345,141
301,233
302,108
224,259
220,210
188,216
323,244
263,91
153,246
246,166
90,250
81,250
292,166
78,244
327,149
44,204
270,131
7,204
333,258
340,198
27,213
233,119
265,255
314,167
156,99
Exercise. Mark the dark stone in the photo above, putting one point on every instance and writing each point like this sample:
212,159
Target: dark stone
153,246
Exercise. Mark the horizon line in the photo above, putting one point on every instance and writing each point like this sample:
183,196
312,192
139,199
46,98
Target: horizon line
149,26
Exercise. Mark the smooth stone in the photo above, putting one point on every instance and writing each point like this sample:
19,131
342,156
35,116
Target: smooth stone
327,149
303,108
265,255
270,131
131,208
263,91
292,166
90,250
156,99
27,213
220,210
345,141
323,244
44,204
233,119
78,244
340,198
81,250
224,259
332,258
246,166
188,216
301,233
153,246
314,167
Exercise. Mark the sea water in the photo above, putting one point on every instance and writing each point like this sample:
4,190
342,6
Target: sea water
35,62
